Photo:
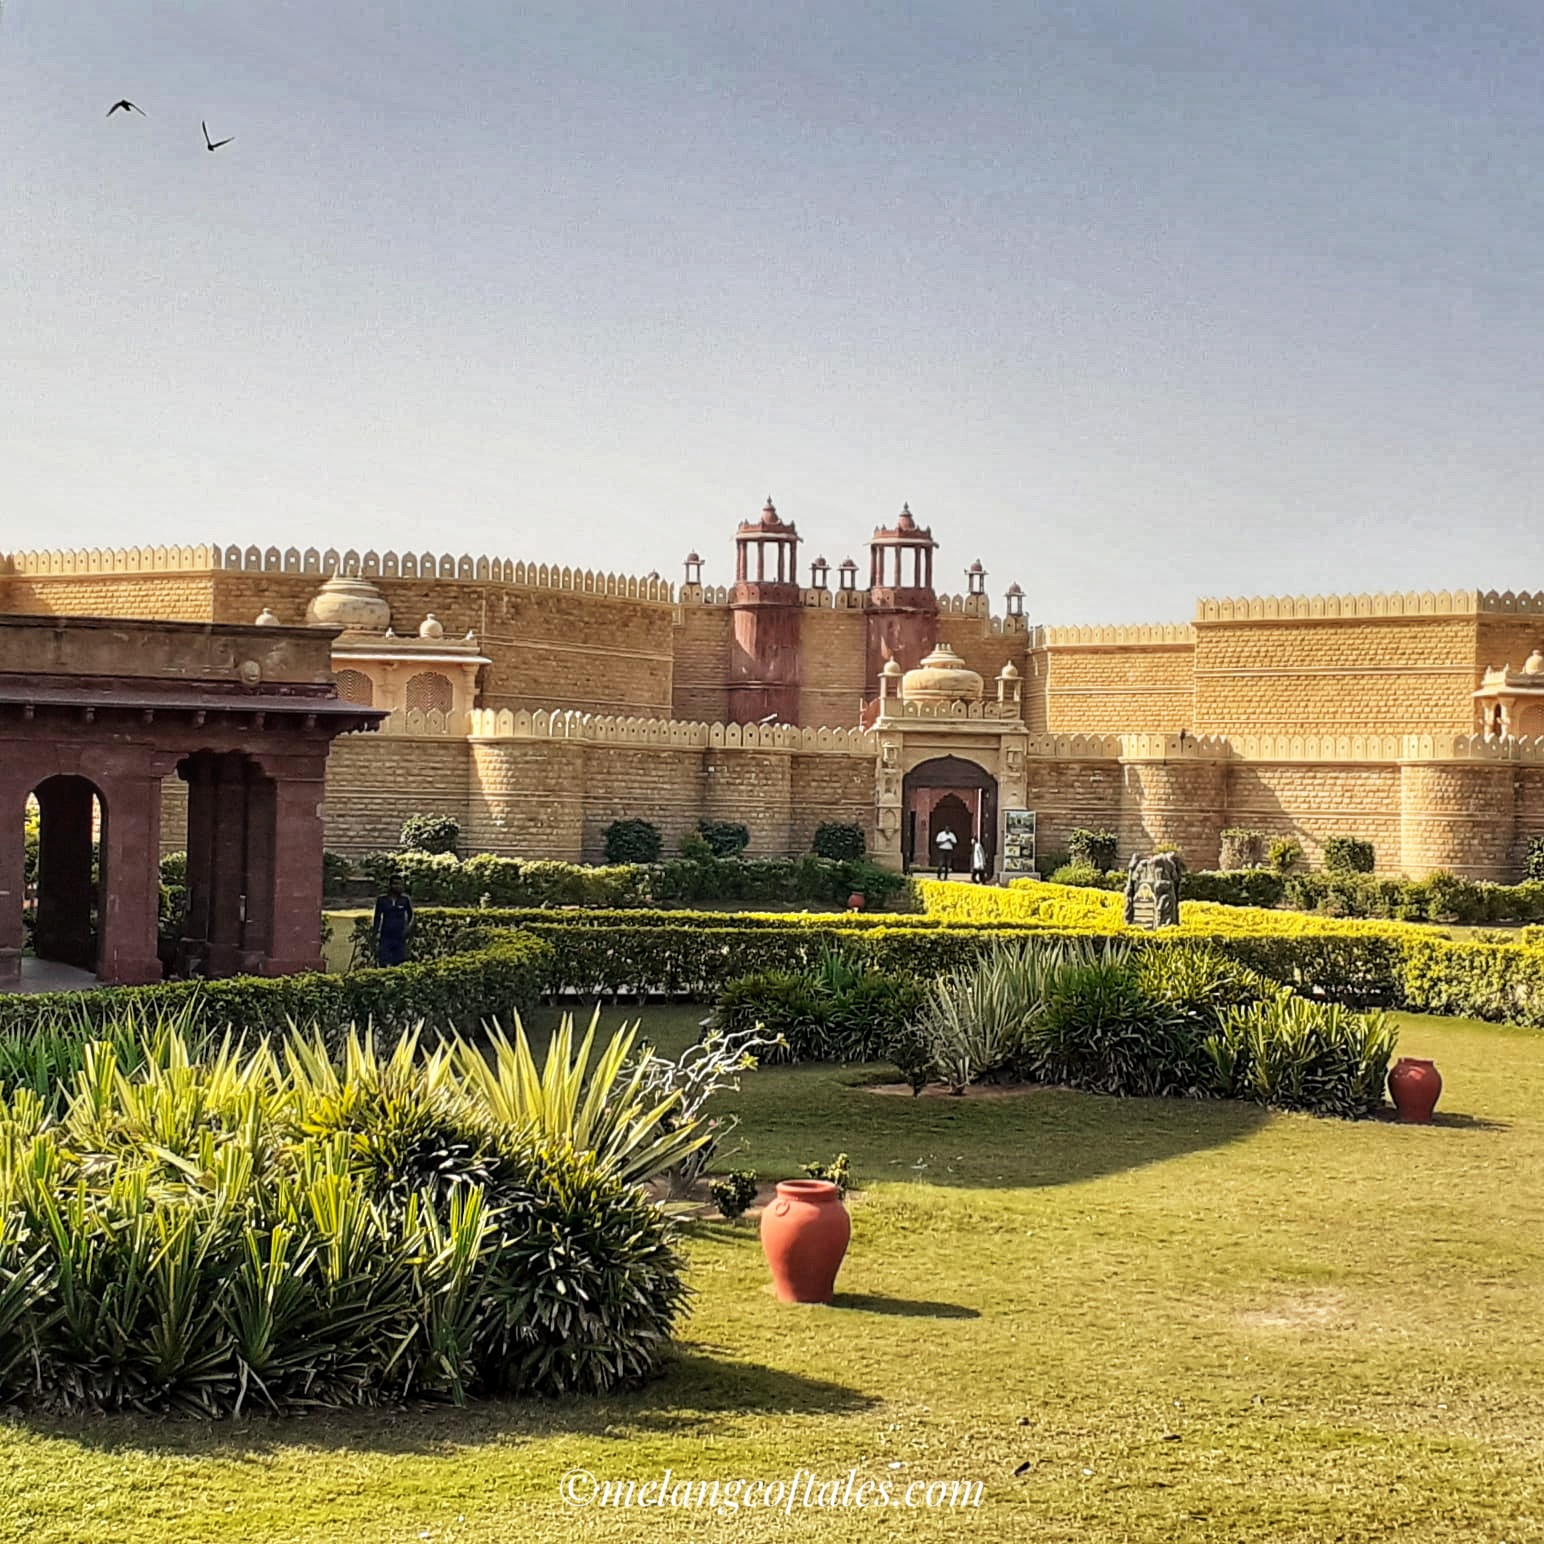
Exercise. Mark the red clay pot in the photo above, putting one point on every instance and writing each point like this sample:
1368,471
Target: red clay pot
855,901
804,1234
1414,1086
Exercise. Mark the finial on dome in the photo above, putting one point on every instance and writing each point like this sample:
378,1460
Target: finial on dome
431,627
266,618
906,522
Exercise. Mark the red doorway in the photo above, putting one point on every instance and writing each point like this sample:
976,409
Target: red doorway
949,792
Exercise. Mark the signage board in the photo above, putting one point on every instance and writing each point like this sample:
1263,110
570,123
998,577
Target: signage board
1018,844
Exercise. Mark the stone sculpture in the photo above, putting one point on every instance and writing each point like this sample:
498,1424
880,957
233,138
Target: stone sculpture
1152,890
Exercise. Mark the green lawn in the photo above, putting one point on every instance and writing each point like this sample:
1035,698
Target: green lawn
1190,1321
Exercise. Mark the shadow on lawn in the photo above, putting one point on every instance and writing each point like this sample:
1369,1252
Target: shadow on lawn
693,1391
902,1307
1044,1137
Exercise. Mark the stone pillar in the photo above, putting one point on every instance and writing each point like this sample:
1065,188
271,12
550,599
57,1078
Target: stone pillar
198,772
295,872
228,877
62,929
257,924
13,868
131,880
1458,816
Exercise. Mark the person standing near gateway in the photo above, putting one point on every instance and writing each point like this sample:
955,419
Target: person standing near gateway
945,842
393,922
978,862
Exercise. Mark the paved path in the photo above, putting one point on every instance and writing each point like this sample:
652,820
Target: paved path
50,976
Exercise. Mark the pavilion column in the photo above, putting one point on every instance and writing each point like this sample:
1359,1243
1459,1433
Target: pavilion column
62,927
13,869
296,871
228,887
131,880
198,773
257,925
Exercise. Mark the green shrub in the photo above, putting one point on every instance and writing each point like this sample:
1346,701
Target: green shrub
840,840
733,1194
337,871
1085,876
974,1017
1533,865
833,1011
1298,1055
1235,887
199,1232
1098,1029
1242,848
1348,855
632,841
838,1172
1093,849
695,847
725,838
1284,854
499,977
430,833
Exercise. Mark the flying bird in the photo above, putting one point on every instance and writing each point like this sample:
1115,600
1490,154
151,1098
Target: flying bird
214,144
125,106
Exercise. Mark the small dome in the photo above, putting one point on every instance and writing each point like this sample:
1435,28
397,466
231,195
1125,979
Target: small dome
431,627
906,522
892,668
975,568
1534,663
769,514
266,618
350,603
848,563
691,557
942,677
1009,672
1015,588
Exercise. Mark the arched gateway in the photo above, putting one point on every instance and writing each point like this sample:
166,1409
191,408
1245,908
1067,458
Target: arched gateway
94,715
953,793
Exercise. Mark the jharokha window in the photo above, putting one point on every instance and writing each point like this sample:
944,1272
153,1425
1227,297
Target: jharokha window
430,692
356,686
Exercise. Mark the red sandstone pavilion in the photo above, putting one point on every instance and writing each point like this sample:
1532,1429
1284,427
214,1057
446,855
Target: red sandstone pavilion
95,716
537,704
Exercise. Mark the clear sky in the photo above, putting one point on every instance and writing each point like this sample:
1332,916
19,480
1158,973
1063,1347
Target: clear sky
1135,301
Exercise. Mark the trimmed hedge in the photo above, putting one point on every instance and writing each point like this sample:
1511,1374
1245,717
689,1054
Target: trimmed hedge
441,879
461,989
1363,964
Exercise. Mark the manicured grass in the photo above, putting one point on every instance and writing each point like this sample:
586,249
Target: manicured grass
1191,1321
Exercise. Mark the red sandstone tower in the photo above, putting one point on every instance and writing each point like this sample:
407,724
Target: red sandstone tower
764,657
902,608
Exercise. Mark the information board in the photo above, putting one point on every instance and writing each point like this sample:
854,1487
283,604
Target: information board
1018,844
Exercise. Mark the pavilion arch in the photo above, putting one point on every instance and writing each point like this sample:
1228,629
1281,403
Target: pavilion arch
950,791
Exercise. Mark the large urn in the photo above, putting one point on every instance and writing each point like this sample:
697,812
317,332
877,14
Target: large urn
1414,1086
804,1234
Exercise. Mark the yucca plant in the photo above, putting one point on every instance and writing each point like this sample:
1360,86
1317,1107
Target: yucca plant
610,1109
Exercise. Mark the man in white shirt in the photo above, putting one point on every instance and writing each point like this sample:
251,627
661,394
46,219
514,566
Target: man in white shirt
944,842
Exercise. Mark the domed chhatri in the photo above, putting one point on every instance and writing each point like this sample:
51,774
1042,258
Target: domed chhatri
351,603
1534,663
266,618
431,627
942,677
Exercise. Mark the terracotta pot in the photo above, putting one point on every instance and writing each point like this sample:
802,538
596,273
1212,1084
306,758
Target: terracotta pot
855,901
1414,1086
804,1234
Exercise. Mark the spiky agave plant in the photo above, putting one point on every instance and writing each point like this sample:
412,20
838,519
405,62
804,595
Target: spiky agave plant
610,1108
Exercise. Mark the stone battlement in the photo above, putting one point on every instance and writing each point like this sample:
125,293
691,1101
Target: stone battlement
1120,635
352,563
1409,603
603,729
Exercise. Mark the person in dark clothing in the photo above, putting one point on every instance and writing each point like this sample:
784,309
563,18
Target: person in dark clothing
393,922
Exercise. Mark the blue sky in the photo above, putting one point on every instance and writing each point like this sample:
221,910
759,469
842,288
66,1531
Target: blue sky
1136,302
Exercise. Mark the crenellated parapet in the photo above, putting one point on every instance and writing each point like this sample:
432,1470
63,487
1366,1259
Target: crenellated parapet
1407,603
664,733
320,563
1128,635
